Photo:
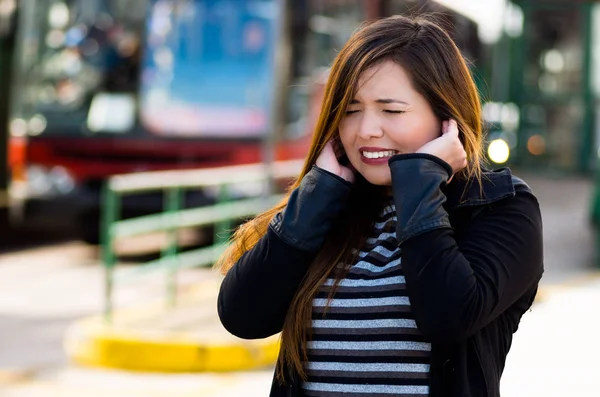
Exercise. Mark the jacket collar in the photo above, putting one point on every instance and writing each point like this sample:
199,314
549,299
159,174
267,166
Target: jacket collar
495,185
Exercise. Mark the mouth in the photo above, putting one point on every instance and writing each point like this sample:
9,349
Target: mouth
376,156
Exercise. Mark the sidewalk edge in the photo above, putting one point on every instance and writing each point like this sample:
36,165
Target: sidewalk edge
88,342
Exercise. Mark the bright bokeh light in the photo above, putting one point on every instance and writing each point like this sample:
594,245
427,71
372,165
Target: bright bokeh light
553,61
489,16
498,151
59,14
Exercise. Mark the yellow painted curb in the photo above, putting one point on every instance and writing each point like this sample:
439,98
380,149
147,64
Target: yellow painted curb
99,346
92,342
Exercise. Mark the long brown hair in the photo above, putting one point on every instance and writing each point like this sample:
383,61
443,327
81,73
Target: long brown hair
438,72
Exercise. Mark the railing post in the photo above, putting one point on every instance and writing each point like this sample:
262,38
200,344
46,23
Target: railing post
173,200
110,214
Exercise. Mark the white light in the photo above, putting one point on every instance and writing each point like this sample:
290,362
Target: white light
111,113
37,124
510,116
58,17
554,61
18,127
492,112
498,151
7,7
513,20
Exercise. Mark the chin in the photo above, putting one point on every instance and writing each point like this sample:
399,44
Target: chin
378,178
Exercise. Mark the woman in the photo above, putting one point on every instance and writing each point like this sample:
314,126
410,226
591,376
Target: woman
397,265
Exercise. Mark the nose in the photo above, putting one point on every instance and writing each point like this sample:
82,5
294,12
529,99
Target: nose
369,126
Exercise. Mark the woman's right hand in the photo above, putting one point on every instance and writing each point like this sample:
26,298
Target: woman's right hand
328,161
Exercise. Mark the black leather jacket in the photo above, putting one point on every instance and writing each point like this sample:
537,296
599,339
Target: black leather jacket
471,255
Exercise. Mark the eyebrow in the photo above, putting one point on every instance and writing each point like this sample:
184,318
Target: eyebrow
382,100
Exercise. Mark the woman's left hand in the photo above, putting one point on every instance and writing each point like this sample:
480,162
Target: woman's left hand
448,147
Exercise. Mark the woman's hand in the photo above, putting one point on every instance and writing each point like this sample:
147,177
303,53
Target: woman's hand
448,147
328,160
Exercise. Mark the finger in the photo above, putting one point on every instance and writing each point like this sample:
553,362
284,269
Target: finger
444,126
453,128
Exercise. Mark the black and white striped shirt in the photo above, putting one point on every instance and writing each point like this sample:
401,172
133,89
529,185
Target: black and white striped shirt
367,344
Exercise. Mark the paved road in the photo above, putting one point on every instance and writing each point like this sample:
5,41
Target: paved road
40,294
43,289
569,249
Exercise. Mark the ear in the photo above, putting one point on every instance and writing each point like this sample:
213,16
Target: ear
445,125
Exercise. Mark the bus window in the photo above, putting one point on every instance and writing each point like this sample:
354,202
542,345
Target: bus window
208,68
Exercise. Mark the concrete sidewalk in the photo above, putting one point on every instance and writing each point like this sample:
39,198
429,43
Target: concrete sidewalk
555,351
190,337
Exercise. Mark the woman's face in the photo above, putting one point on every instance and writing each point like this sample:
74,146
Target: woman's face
386,117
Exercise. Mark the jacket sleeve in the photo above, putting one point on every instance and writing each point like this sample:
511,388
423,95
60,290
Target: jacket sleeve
459,285
257,291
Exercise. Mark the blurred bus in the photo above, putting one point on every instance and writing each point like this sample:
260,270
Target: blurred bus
107,87
104,87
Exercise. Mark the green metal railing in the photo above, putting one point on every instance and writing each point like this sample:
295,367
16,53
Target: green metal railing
173,184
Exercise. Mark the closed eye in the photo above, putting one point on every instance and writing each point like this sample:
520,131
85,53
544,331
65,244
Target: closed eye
394,111
352,111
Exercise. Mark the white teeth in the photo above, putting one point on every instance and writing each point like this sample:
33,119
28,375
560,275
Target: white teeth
378,155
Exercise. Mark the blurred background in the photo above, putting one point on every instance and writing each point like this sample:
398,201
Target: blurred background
121,120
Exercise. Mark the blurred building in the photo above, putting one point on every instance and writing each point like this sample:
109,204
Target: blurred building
543,76
537,65
101,87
